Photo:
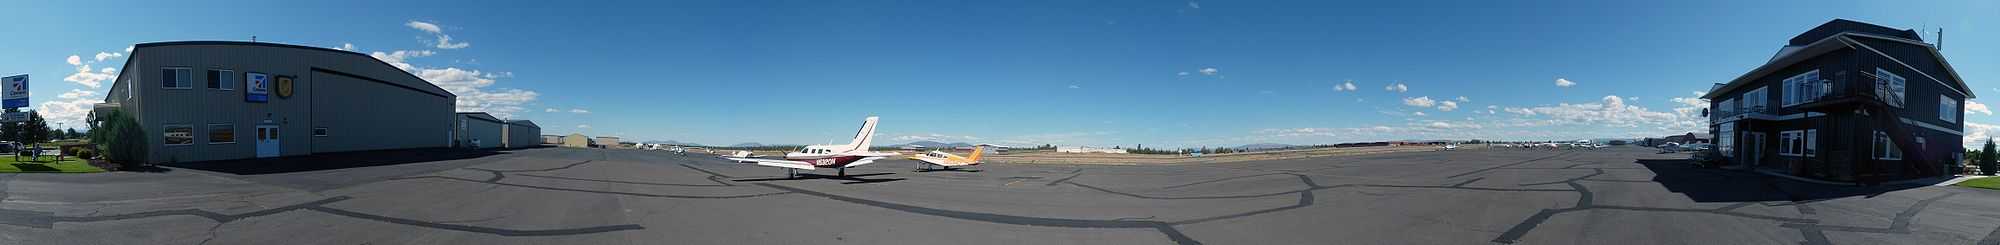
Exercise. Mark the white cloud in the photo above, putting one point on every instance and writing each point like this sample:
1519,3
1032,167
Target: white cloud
470,86
1194,5
1211,71
425,26
1346,86
1976,134
346,46
1183,73
399,58
103,55
1447,105
1074,86
579,111
1419,114
1560,82
1425,102
93,78
70,110
583,126
443,40
1973,106
933,137
1397,87
1464,99
128,48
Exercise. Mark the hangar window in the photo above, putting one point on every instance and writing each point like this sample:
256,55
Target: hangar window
221,133
319,132
179,134
176,78
220,79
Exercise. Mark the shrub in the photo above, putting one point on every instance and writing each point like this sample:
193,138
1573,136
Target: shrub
85,154
121,139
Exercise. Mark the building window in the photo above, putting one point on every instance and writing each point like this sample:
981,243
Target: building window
1812,142
221,133
319,132
1893,84
179,134
1756,101
1885,149
1728,108
1947,109
1798,142
220,79
1802,88
176,78
1726,139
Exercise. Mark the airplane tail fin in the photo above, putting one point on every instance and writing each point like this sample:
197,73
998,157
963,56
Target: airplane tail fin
976,151
866,137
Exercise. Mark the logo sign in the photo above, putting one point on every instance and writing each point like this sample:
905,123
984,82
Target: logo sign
12,117
16,95
285,87
256,87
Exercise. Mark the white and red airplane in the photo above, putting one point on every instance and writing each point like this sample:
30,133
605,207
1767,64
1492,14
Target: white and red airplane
854,153
947,160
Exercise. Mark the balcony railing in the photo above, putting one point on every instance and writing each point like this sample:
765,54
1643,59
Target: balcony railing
1847,87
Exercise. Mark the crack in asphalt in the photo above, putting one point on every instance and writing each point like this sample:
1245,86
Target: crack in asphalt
47,220
1163,227
597,191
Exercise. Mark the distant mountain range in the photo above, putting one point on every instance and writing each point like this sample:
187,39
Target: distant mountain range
670,142
749,144
1265,146
935,144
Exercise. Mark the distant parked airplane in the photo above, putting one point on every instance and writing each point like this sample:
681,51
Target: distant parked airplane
947,160
742,154
854,153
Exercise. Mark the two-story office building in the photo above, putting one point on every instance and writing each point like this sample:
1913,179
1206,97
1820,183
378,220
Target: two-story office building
1845,101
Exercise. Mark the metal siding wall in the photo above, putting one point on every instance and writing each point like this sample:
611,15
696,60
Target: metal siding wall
522,136
365,115
487,132
409,112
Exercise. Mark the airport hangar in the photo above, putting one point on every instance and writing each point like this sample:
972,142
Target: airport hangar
223,100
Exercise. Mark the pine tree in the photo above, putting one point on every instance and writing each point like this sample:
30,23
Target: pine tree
1986,165
35,131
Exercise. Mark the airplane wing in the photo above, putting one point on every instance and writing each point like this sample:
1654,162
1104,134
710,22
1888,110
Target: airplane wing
942,162
776,163
866,160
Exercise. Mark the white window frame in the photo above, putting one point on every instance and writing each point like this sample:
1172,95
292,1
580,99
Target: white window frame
232,132
164,129
1787,140
1897,85
1728,108
183,72
1884,148
1802,88
1759,97
1812,142
223,76
1948,109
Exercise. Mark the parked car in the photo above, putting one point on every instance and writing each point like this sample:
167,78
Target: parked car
1706,158
1697,147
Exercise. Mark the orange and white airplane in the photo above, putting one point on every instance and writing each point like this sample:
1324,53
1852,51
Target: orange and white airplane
812,157
947,160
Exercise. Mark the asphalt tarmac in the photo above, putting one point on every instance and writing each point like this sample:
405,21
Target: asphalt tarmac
586,196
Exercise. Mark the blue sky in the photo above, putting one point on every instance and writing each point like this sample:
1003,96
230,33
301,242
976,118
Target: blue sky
1059,72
